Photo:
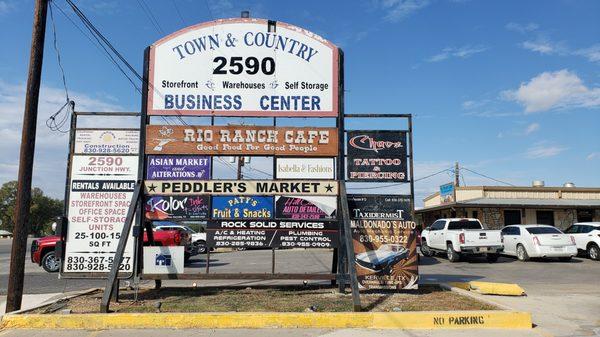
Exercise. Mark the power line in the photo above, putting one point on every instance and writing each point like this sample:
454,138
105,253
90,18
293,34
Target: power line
52,122
178,12
485,176
150,16
398,184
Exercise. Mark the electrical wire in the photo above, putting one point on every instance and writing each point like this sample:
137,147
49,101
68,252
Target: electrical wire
150,16
485,176
398,184
178,12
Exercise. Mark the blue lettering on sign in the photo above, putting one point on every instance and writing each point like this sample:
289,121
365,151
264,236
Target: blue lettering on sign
203,102
279,103
250,39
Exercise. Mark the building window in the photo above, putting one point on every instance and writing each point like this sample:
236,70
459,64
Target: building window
475,215
512,217
545,217
585,215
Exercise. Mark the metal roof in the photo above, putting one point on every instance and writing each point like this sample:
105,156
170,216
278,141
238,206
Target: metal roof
519,203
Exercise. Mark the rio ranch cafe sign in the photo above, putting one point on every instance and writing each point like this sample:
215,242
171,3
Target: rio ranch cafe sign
236,140
385,241
237,67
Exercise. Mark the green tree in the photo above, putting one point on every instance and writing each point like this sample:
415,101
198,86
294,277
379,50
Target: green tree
42,214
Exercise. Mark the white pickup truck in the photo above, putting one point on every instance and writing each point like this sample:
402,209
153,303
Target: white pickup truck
459,237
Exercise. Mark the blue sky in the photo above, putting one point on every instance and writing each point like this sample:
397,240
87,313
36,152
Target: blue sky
510,89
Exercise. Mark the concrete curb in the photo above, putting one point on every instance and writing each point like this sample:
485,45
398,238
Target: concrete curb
234,320
473,295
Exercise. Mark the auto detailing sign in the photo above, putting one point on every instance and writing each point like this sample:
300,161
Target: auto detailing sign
272,233
385,241
236,140
242,187
178,167
101,188
375,156
306,208
238,67
107,141
304,168
242,207
176,207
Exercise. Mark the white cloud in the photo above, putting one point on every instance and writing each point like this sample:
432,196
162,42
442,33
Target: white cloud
522,28
460,52
544,150
531,128
51,147
545,46
554,90
592,53
593,155
397,10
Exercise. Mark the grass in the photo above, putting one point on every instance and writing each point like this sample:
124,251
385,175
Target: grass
274,299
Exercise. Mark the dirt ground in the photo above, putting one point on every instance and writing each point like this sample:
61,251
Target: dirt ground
279,299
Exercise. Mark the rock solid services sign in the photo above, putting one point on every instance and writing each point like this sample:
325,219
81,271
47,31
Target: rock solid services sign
251,67
237,140
178,168
377,156
242,207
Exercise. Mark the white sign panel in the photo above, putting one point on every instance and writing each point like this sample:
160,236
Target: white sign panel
305,168
163,260
101,188
243,67
107,141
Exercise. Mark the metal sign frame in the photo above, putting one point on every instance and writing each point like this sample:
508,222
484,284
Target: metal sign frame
342,272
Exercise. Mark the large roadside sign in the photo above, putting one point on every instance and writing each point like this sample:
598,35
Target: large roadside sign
101,185
237,67
377,156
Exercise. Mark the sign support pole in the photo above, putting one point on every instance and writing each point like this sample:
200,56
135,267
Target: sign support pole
23,199
411,174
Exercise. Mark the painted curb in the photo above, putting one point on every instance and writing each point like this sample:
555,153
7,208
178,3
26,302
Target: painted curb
233,320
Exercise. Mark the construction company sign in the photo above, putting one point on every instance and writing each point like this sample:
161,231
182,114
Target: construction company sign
245,140
93,141
243,67
100,192
377,156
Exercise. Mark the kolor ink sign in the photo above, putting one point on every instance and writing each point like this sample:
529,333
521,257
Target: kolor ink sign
305,208
385,241
178,168
242,207
377,156
272,233
176,207
250,67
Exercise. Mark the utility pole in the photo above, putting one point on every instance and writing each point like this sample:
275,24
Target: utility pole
240,163
19,245
456,175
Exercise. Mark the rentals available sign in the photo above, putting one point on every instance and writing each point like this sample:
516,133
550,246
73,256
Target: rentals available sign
243,67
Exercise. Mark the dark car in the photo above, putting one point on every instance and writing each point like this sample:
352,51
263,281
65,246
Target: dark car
382,258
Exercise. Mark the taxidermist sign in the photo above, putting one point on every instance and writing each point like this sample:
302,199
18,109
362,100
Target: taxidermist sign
237,67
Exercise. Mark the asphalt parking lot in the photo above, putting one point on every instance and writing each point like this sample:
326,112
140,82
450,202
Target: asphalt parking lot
564,297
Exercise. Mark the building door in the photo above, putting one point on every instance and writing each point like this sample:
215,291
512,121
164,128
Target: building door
512,217
545,217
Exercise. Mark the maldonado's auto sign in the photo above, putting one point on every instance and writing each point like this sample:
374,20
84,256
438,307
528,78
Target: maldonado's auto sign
243,66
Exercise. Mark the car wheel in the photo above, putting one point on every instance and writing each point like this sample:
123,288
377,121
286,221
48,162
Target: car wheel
50,263
522,253
492,257
565,259
453,255
593,252
425,250
202,247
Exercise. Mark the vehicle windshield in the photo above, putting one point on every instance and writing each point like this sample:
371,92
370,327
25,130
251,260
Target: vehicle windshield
464,224
543,230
